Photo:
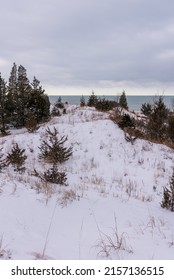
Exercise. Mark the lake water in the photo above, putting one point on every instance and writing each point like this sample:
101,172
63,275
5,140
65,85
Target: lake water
134,102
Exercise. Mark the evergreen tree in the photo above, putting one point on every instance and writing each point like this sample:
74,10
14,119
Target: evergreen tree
82,101
25,100
16,158
12,86
157,120
170,128
3,102
123,101
54,176
18,93
92,101
38,102
12,95
52,149
59,104
126,121
24,90
146,109
58,107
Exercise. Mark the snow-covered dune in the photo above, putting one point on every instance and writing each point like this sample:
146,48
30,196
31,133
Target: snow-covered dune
110,207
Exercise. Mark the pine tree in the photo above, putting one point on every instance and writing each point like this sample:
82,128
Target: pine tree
52,149
170,129
123,101
82,101
12,86
38,102
3,109
54,176
157,120
24,91
58,108
146,109
16,158
59,104
92,101
12,95
25,99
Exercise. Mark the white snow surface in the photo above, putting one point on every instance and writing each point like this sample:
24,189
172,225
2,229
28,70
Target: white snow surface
110,208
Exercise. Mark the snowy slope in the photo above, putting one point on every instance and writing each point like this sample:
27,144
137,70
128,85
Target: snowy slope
110,207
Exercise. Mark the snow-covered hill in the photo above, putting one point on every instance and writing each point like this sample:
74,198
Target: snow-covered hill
110,207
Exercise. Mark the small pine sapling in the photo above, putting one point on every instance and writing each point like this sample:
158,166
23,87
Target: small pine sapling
16,158
52,149
53,176
82,101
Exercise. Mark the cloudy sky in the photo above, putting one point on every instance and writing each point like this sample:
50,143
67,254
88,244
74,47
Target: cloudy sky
75,46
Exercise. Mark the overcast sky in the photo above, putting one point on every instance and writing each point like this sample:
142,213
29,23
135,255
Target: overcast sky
74,46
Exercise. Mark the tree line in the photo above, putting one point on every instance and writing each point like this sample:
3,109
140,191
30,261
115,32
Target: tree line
21,100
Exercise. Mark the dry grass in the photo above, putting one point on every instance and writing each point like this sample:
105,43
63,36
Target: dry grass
68,196
4,254
110,246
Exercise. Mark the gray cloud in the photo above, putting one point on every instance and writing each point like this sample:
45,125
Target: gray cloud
90,42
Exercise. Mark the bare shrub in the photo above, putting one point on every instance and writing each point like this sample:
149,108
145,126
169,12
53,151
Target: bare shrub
68,196
111,245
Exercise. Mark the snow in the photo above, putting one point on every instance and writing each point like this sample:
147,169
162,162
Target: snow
110,208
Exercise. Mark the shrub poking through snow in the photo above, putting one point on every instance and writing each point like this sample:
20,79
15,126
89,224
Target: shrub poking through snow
168,195
82,101
16,158
52,149
52,175
126,121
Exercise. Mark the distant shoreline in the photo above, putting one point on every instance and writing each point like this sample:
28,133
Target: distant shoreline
134,101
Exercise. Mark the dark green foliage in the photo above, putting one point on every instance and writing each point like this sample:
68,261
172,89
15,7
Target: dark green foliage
92,101
64,111
55,112
16,158
58,108
126,121
157,120
24,98
104,105
82,101
52,149
170,129
146,109
123,101
31,122
59,104
3,110
168,195
38,102
53,176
